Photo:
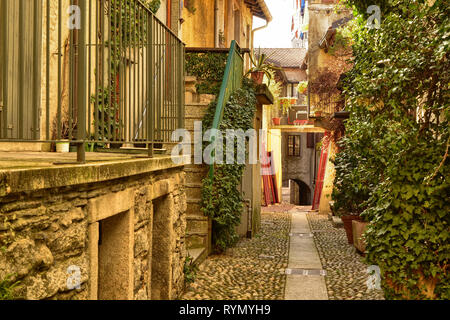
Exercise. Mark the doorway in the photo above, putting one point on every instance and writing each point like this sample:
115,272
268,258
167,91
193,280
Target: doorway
300,193
114,256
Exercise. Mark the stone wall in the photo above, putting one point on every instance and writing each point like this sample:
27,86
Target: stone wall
109,231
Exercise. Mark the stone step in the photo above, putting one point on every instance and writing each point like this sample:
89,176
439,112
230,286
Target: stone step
196,217
196,241
193,193
198,254
193,185
195,178
196,226
195,168
194,209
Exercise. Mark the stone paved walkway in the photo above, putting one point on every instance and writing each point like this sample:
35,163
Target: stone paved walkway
256,268
346,271
253,270
305,280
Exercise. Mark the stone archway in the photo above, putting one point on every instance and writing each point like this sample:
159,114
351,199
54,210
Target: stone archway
300,193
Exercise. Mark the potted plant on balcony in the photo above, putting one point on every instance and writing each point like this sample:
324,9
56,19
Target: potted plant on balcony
302,87
276,121
261,68
63,139
317,113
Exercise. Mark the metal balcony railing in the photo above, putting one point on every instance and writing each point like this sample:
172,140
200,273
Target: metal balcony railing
105,71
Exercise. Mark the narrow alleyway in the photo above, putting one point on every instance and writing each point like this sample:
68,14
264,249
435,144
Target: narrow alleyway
298,255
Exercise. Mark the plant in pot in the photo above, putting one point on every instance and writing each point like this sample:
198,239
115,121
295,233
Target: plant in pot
351,189
275,88
261,68
64,136
285,105
316,111
109,126
302,87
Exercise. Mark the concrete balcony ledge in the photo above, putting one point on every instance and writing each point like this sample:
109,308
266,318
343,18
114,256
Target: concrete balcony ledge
29,171
263,95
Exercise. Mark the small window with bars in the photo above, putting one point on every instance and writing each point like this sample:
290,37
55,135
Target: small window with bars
294,146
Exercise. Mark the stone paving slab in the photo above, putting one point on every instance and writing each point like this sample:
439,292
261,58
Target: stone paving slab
299,223
299,287
303,254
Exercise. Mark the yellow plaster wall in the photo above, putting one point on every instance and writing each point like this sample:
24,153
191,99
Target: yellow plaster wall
325,198
198,27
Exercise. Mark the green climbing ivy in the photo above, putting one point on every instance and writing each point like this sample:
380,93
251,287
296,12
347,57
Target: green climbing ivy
154,5
221,199
7,287
128,28
209,68
394,167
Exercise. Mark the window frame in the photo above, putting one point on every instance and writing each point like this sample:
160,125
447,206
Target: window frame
294,148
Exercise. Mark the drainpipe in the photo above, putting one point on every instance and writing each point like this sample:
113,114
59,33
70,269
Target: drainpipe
267,15
258,29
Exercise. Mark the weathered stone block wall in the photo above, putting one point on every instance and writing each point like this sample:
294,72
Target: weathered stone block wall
44,232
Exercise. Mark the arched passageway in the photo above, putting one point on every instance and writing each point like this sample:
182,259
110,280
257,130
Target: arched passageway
300,193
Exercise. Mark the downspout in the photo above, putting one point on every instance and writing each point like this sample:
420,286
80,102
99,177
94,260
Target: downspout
258,29
267,15
253,36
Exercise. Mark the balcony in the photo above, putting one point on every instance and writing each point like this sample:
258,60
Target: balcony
114,79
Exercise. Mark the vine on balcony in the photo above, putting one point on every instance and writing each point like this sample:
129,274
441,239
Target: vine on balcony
221,199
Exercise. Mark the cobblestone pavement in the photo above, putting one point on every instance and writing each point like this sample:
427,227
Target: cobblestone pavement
253,270
346,272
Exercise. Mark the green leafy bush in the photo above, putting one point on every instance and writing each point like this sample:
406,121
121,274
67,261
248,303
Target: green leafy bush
395,164
209,68
190,270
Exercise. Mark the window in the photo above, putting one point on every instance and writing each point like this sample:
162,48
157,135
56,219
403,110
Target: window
294,146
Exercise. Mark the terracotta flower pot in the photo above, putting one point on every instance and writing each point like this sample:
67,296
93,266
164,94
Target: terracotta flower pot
348,226
359,228
276,121
258,76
